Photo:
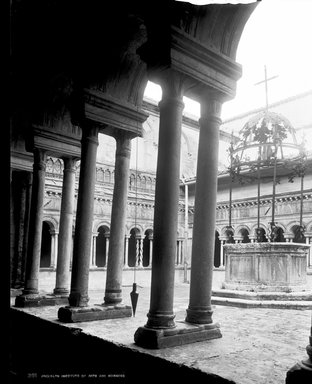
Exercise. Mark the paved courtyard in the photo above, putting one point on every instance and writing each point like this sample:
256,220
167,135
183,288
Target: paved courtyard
258,345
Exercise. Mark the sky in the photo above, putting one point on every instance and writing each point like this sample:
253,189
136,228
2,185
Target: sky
278,34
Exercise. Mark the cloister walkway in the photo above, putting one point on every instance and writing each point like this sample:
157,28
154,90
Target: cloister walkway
258,346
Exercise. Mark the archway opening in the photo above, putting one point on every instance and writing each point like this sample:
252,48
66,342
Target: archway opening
245,235
280,235
45,256
298,234
147,247
262,236
133,247
101,246
217,251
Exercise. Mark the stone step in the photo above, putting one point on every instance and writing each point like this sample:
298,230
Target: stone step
235,302
263,296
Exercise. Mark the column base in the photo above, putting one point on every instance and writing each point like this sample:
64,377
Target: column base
199,316
300,373
36,300
61,291
92,313
183,333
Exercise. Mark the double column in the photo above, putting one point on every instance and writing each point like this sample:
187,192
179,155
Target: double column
66,228
199,310
35,230
115,262
84,218
161,314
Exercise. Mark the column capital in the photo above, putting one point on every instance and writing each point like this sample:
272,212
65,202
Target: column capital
90,132
211,105
172,84
70,163
40,158
123,142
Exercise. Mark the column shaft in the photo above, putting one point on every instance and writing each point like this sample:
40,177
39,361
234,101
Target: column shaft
150,252
126,251
84,219
115,262
199,310
35,224
66,228
54,246
166,205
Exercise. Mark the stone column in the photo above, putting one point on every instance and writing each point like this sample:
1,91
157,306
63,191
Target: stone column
35,229
199,310
106,247
84,218
66,228
150,251
221,253
93,250
161,314
140,253
54,245
308,242
310,252
126,250
179,252
115,262
26,226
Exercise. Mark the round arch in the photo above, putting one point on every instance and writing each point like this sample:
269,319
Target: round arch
48,230
217,250
101,251
135,235
147,247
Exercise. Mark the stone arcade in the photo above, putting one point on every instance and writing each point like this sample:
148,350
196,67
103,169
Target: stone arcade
75,81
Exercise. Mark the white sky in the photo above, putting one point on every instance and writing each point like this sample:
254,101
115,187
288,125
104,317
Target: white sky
278,34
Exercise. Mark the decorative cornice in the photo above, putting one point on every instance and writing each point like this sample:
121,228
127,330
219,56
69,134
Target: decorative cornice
204,66
55,143
112,112
264,201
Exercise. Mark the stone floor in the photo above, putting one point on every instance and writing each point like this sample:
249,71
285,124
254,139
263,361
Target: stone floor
258,345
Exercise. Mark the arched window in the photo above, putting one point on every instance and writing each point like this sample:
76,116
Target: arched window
101,246
298,234
132,181
45,256
217,251
147,247
58,167
100,175
107,176
133,247
245,235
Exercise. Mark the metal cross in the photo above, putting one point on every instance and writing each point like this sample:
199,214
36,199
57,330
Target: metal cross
265,81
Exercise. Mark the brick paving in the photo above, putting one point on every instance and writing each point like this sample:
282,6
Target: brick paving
258,345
